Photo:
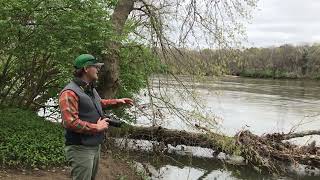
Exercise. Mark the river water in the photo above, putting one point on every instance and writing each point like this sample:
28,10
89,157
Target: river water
259,105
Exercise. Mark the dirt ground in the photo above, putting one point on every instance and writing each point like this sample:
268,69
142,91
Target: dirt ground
110,168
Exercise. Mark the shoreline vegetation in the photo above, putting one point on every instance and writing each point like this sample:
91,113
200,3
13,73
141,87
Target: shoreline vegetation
271,75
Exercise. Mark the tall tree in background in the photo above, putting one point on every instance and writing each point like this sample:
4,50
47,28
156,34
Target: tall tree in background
109,79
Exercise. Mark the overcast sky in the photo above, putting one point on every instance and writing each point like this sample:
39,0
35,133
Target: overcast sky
277,22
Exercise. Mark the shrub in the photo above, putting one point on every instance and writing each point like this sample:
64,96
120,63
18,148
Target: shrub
28,140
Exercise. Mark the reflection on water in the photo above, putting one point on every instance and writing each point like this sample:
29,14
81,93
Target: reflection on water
260,105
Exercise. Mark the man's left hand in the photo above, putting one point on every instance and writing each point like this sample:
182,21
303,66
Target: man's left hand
125,101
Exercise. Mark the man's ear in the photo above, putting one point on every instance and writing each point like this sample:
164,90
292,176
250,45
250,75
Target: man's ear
85,69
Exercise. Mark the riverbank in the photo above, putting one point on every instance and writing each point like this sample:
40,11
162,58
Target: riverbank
268,74
111,167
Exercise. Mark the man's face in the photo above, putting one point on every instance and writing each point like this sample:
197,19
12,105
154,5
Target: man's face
92,72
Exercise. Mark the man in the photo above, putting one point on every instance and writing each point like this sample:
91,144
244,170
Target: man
83,118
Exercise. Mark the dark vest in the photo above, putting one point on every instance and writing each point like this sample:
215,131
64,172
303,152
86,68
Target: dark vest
90,110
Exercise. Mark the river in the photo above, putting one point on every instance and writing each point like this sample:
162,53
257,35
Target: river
259,105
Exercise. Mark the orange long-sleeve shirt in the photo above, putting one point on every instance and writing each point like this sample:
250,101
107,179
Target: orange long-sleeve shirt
68,103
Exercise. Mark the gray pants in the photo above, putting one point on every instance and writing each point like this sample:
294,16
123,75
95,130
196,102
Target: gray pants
84,161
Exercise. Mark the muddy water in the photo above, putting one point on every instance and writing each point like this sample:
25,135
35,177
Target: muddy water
260,105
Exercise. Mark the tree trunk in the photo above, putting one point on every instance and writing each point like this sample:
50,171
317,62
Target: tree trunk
109,76
171,136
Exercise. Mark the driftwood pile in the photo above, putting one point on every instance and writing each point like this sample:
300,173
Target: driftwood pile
274,154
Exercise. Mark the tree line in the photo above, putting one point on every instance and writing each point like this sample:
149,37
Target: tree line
286,61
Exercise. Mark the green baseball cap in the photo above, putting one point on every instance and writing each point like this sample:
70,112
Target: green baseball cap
86,60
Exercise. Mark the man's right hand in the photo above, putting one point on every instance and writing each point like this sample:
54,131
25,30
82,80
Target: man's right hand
102,124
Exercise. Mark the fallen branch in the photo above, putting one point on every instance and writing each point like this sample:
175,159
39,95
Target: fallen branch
175,137
281,136
263,152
